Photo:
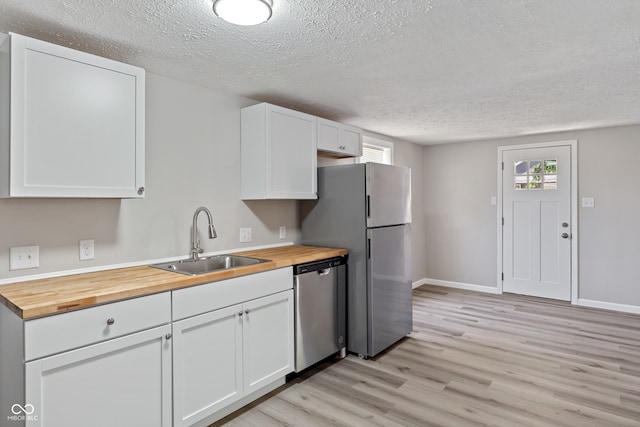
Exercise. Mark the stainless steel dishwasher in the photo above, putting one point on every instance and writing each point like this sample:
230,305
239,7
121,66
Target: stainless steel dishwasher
320,306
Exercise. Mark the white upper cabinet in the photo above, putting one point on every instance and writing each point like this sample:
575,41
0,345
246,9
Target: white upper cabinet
278,153
339,140
72,123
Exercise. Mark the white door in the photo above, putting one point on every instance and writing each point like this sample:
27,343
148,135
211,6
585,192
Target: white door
536,207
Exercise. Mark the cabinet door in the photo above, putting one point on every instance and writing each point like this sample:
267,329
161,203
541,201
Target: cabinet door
76,124
339,140
291,154
268,340
122,382
207,364
351,140
328,135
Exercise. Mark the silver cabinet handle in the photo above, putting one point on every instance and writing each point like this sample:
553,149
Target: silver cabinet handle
565,235
168,336
111,321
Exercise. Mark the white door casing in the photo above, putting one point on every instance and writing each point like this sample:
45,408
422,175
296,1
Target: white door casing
537,220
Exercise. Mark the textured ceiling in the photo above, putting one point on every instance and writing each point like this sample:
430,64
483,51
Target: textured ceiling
426,71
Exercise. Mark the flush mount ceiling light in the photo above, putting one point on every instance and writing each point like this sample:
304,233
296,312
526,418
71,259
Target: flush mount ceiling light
243,12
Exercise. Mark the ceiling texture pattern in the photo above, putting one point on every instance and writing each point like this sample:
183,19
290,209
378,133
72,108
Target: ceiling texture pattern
425,71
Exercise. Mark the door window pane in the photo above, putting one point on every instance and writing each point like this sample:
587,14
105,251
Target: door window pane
536,174
520,169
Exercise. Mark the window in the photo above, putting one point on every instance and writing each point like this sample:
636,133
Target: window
377,151
536,174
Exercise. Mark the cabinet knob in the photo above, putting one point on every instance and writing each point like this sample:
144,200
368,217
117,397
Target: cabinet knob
246,311
343,147
168,336
240,313
111,321
140,190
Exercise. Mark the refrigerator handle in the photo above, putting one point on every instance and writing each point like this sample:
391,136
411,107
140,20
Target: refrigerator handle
368,248
368,206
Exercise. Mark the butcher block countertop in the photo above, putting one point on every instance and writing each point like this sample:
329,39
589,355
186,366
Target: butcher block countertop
59,294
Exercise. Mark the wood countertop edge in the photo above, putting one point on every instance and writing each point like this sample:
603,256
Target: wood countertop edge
163,281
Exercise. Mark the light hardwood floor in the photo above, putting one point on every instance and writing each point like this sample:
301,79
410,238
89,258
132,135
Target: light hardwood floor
475,359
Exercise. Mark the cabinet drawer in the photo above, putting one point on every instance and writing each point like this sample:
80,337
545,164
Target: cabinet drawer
212,296
63,332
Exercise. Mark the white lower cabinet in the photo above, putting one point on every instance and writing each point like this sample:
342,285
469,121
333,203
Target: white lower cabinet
226,354
181,358
121,382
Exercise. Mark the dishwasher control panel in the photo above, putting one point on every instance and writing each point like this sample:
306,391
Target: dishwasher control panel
319,265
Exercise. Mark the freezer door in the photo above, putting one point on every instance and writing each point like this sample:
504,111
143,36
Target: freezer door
388,195
389,281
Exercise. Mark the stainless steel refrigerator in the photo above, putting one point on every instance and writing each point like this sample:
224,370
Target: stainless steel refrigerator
366,208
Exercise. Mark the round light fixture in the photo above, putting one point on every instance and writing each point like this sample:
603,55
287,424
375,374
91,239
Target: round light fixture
243,12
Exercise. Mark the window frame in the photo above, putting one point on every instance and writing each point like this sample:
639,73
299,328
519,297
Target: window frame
378,144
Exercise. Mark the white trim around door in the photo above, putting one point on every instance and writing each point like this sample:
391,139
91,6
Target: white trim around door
573,144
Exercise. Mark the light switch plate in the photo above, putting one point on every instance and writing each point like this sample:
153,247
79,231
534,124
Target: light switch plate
245,234
22,257
283,232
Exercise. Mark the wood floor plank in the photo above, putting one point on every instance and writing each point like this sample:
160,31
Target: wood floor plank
475,359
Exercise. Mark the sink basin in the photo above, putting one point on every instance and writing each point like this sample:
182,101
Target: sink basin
208,264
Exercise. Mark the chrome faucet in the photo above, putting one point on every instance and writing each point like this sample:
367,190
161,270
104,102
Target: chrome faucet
196,250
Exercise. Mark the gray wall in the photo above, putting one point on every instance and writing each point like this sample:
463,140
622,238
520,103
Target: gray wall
192,159
460,223
460,229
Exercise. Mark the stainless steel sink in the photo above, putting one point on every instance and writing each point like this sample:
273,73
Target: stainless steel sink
193,267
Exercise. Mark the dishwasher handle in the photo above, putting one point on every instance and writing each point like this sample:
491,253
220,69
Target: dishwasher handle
324,272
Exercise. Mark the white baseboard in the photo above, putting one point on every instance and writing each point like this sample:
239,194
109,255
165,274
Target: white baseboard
626,308
457,285
419,283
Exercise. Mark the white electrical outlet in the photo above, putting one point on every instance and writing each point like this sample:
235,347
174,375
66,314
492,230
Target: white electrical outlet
24,257
245,234
588,202
86,250
283,232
